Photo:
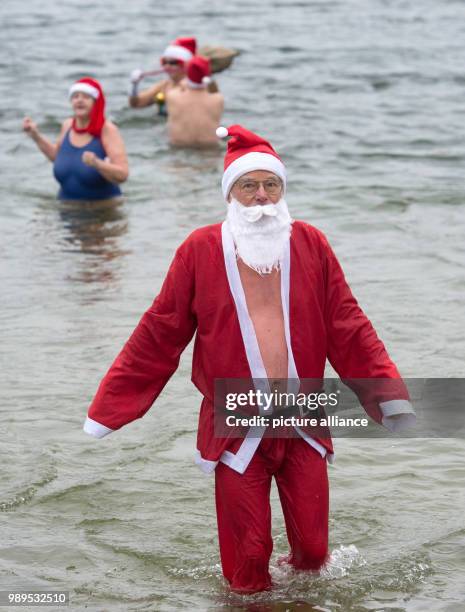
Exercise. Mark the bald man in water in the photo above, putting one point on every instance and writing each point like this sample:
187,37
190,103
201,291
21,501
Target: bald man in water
194,112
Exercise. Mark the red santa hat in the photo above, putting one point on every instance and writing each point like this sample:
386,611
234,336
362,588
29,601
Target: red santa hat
182,49
92,88
198,72
247,152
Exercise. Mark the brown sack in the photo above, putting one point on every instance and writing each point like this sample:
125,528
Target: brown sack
220,57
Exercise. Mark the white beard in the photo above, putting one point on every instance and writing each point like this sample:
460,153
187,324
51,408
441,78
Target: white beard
260,243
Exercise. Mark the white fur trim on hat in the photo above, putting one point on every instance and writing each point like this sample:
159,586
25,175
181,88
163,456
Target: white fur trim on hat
194,85
177,52
248,163
84,88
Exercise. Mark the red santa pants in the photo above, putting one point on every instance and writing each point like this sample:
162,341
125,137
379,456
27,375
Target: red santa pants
244,512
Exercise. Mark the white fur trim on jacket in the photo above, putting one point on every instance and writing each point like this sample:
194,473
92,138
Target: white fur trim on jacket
96,429
205,465
403,410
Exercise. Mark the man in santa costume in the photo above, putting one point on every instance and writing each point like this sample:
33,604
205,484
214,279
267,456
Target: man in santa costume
267,299
173,62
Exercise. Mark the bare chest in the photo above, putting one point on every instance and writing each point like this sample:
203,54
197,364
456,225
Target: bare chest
262,292
263,298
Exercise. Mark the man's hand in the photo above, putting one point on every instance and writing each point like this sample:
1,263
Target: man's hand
30,127
90,159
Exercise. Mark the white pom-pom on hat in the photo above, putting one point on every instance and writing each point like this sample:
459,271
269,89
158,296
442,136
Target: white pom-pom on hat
206,80
222,132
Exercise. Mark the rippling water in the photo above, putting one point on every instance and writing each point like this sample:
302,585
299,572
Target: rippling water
365,102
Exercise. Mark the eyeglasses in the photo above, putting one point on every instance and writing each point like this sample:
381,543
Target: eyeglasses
170,62
249,187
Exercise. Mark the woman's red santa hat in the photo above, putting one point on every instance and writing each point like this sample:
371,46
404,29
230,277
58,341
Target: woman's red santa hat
247,152
198,72
182,49
92,88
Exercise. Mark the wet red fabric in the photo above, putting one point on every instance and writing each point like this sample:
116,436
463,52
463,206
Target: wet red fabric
244,512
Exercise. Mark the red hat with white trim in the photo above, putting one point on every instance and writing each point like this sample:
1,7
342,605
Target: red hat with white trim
182,49
247,152
198,72
92,88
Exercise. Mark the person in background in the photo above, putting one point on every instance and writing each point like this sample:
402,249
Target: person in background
193,112
89,157
173,62
267,299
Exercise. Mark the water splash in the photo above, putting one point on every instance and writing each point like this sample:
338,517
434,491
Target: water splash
27,494
200,572
342,559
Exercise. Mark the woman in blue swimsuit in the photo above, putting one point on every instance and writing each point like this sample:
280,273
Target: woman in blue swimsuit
89,158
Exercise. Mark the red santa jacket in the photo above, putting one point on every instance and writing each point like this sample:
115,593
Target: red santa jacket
202,294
